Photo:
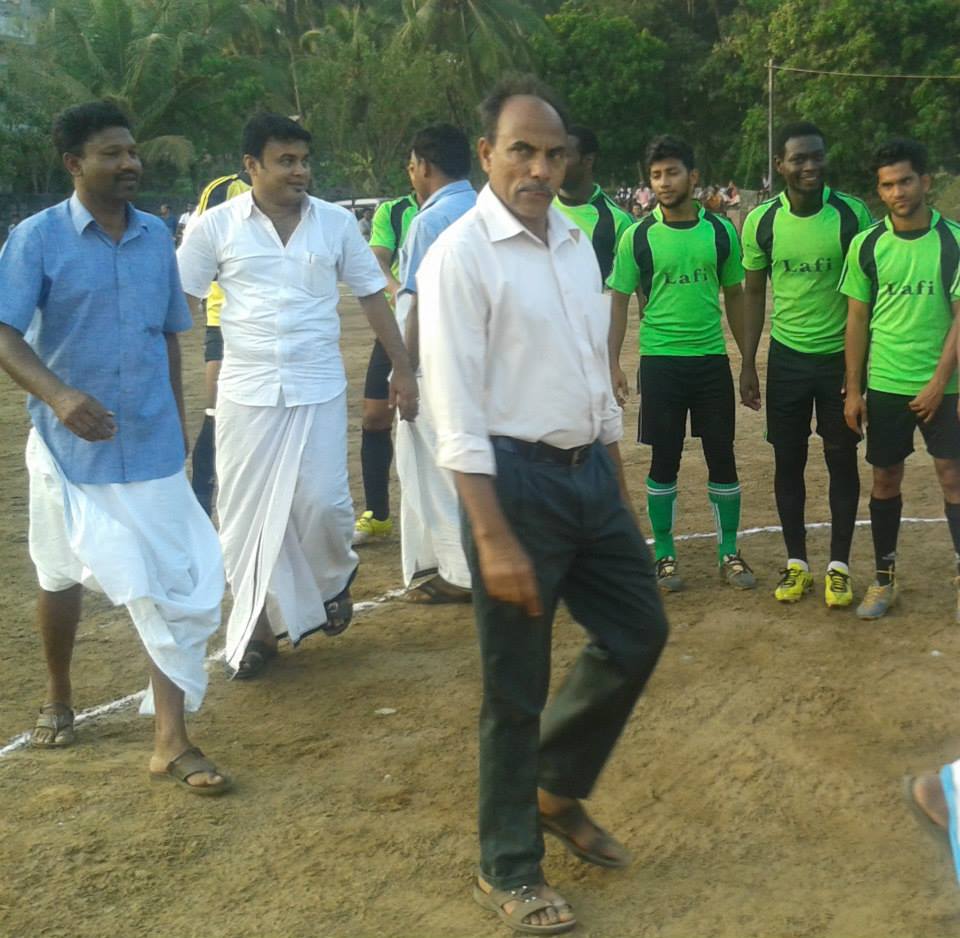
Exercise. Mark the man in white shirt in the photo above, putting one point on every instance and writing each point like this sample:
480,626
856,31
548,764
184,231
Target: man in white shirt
514,349
286,517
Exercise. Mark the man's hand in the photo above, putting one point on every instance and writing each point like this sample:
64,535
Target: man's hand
621,389
925,404
855,411
749,387
404,394
84,415
508,574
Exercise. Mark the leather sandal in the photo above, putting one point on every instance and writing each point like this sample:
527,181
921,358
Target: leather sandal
603,849
190,762
528,903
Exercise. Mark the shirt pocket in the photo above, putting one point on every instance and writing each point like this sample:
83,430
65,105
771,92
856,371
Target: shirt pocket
318,269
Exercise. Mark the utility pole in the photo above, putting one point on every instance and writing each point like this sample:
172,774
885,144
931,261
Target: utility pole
770,124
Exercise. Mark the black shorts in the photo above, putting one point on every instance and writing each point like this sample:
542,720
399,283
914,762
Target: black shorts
213,345
890,426
798,383
376,387
671,386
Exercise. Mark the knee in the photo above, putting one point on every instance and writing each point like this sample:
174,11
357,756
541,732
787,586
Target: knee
721,462
886,482
949,474
665,464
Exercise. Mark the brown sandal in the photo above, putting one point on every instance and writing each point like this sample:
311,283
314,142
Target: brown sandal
435,592
58,718
528,903
603,850
190,762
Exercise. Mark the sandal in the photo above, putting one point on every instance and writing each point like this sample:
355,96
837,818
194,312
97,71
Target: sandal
528,903
436,591
339,614
255,659
604,849
929,825
58,718
190,762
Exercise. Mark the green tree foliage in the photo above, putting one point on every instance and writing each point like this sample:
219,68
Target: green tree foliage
604,66
366,74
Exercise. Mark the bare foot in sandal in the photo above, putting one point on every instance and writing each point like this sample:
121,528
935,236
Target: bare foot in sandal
190,768
54,727
566,819
549,913
927,793
436,591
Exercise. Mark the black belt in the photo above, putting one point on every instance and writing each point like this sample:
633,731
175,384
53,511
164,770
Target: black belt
543,452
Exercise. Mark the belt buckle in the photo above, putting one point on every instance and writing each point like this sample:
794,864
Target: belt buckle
579,456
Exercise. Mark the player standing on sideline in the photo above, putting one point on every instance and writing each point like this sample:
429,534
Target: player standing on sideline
902,280
514,330
677,260
391,221
584,202
204,462
800,239
95,282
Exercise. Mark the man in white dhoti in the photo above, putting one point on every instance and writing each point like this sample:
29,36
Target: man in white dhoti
429,510
286,517
93,284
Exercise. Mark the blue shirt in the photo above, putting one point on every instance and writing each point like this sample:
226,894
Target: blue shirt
99,311
438,213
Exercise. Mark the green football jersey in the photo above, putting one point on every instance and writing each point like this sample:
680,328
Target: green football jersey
909,280
391,222
679,267
604,223
804,255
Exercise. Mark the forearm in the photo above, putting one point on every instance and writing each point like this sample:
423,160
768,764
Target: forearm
482,506
948,357
733,303
855,349
176,380
384,325
618,325
754,301
22,364
411,334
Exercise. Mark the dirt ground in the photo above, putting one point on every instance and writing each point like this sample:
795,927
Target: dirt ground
757,784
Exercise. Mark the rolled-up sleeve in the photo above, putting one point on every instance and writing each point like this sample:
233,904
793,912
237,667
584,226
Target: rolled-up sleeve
358,267
453,310
197,258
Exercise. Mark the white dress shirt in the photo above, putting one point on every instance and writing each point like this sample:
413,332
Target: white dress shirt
281,331
513,337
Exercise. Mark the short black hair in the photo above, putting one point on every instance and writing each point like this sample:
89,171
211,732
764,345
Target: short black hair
510,86
587,143
670,148
73,127
266,126
446,147
796,129
899,150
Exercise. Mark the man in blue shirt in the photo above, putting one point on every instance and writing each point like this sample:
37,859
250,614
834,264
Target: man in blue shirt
91,305
429,512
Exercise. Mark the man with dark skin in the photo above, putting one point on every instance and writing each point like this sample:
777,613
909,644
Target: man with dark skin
902,279
89,265
799,240
524,403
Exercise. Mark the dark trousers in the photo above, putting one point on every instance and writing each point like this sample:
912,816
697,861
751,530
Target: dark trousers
587,551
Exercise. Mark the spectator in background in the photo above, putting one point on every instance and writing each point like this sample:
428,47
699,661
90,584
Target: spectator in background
169,220
184,219
365,223
732,194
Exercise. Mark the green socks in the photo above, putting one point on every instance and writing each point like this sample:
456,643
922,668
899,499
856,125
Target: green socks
661,509
725,498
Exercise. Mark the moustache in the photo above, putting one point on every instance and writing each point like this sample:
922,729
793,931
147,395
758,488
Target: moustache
538,188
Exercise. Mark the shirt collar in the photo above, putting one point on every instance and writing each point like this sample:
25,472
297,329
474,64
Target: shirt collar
82,218
501,223
248,205
934,218
451,188
658,212
785,199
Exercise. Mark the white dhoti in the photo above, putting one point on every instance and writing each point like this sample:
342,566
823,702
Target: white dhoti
429,506
286,516
146,545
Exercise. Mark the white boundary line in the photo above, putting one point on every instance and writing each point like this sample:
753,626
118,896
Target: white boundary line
19,742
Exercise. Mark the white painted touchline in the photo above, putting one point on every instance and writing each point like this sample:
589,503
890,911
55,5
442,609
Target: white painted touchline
18,742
